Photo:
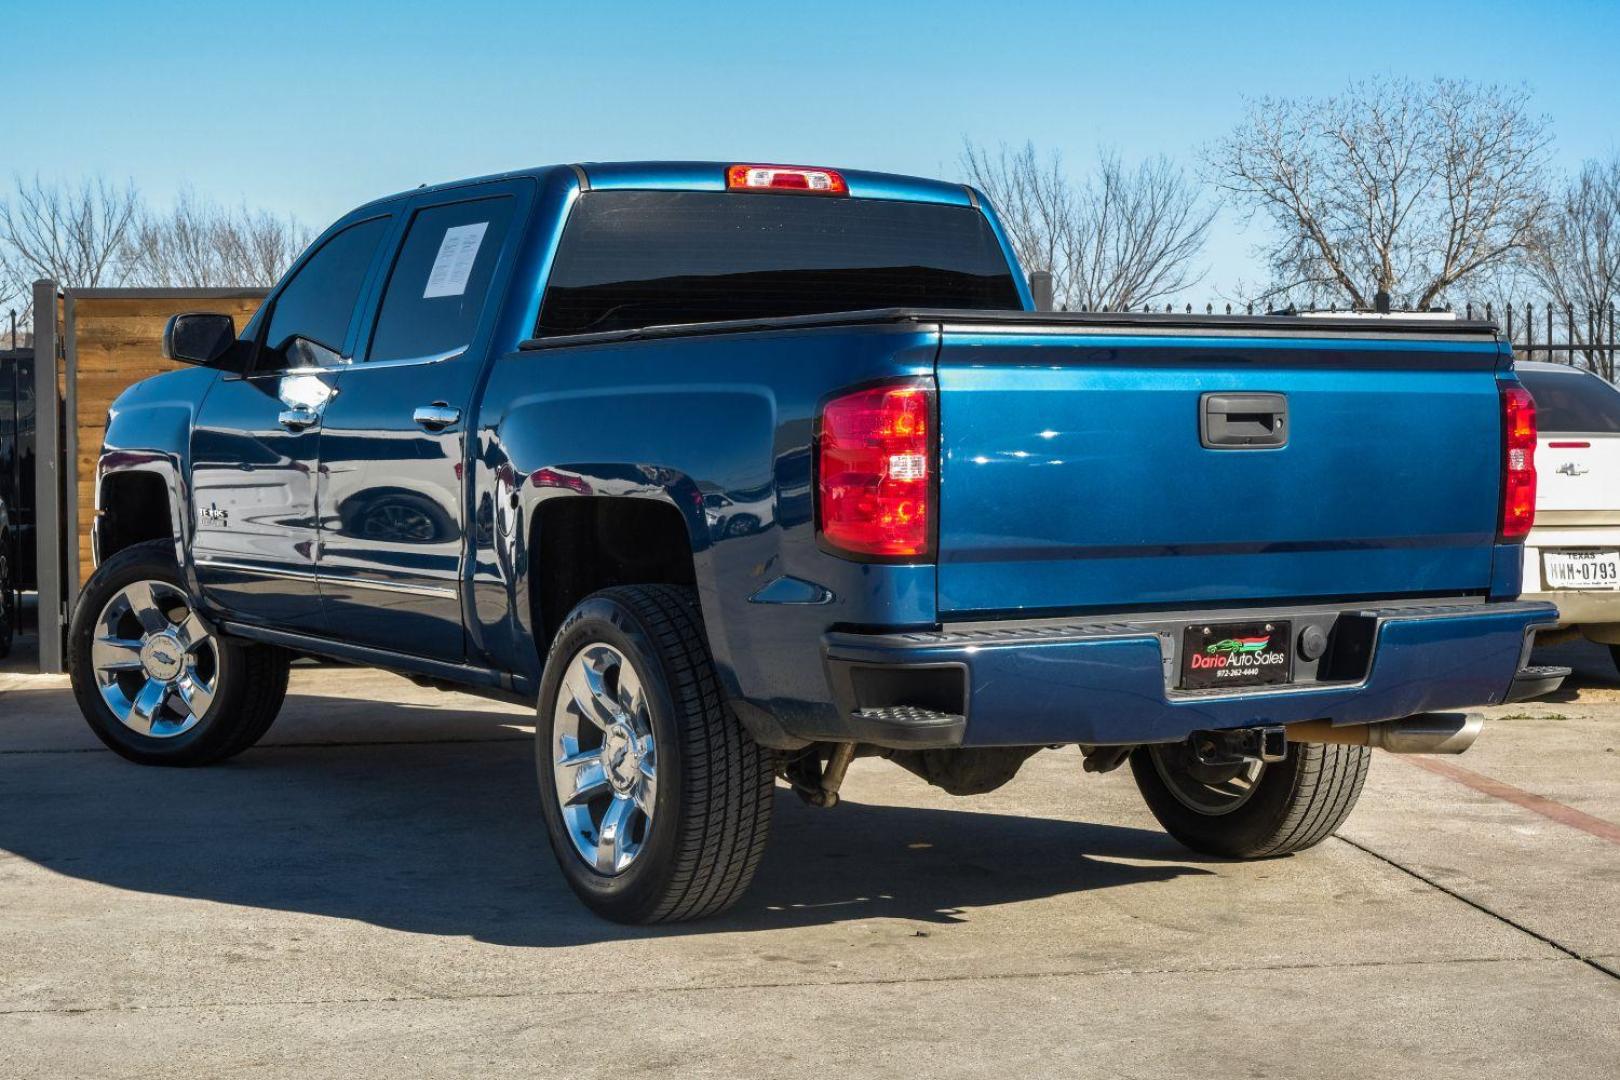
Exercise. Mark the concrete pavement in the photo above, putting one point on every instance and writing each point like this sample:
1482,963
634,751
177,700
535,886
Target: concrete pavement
368,893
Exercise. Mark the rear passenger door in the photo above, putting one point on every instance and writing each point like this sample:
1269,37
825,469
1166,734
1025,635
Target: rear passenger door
393,482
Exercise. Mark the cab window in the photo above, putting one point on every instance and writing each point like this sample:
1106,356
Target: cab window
311,316
630,259
441,280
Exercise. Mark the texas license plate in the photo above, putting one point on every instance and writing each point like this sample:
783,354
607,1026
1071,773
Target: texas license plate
1581,569
1236,654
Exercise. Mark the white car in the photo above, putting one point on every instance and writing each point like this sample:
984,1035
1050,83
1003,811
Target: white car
1572,556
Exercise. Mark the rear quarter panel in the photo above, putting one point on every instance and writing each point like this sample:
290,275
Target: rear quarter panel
720,427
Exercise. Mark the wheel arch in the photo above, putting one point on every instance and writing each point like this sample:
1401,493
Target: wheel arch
139,496
144,454
579,544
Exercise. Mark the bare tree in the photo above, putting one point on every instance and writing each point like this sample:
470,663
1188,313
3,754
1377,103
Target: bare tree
1123,238
73,234
1576,258
1394,185
198,244
259,247
11,297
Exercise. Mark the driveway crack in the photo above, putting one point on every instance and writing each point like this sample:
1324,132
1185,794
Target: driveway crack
1592,962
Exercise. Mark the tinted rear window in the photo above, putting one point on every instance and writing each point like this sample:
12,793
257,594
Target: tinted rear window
643,258
1572,401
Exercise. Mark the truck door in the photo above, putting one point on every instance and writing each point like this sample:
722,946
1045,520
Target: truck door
255,442
392,477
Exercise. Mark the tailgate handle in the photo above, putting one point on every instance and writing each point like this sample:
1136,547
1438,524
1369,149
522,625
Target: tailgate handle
1242,421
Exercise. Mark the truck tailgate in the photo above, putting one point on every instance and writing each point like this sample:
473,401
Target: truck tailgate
1074,475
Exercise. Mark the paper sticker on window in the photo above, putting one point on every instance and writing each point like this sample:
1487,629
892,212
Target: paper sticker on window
454,263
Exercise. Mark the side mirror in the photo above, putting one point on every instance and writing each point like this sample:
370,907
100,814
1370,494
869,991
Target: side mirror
198,337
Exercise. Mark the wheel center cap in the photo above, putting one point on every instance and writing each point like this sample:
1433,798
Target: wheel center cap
619,758
163,656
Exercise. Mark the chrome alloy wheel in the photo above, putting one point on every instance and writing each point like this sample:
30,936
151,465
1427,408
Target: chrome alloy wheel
156,661
604,758
1211,790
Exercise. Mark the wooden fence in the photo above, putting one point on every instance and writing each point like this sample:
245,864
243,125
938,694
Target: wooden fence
99,342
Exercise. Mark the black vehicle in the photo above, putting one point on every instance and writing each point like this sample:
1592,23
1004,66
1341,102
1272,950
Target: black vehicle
16,487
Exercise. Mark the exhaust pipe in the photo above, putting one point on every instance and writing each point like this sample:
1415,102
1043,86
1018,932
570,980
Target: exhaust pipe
1425,733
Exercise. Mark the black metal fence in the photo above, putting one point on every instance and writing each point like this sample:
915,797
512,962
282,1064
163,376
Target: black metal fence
1563,333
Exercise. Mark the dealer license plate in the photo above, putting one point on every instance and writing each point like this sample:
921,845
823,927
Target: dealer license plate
1581,569
1236,654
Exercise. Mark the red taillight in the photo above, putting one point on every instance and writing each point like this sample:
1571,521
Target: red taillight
1518,462
875,471
785,178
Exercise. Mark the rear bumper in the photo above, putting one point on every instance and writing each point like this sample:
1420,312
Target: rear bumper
1055,682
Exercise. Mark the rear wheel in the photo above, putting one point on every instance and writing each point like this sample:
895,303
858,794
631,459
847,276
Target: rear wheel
1253,810
155,681
657,802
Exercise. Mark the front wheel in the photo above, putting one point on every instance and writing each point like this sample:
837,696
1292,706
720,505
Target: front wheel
657,802
155,681
1256,809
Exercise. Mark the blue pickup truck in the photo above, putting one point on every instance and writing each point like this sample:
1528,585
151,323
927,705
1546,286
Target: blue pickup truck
738,472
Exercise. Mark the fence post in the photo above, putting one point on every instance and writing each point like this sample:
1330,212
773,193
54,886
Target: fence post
70,454
48,540
1591,336
1040,288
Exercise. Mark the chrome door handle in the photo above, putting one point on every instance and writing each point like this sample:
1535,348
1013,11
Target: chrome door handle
437,416
298,419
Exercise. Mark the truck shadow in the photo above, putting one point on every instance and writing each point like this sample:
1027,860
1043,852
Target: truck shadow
445,838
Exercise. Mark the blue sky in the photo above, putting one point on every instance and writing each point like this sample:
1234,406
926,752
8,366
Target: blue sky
313,107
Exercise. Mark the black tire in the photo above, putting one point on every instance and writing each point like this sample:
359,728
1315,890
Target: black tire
1614,654
250,679
715,785
1295,804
